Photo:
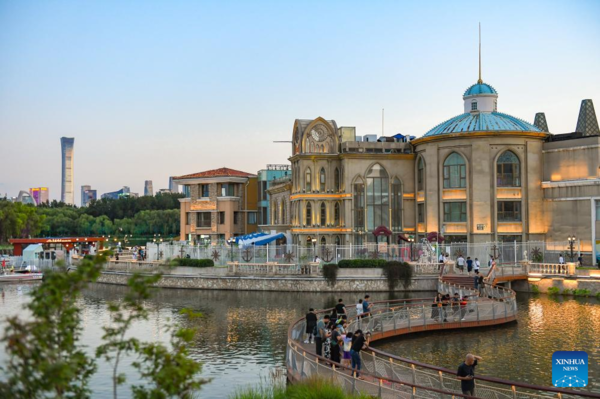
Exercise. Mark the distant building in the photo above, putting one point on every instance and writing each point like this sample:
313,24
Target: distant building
87,195
173,186
221,205
25,198
148,191
67,190
265,179
40,194
164,191
124,192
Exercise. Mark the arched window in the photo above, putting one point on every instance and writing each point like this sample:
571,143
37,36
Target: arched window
474,106
378,198
336,180
309,214
455,171
322,180
323,218
396,205
337,240
323,241
359,205
508,170
495,106
420,175
336,214
307,180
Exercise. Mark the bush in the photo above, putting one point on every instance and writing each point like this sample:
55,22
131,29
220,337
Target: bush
553,291
535,289
396,272
312,388
361,263
598,296
567,291
193,262
330,271
581,292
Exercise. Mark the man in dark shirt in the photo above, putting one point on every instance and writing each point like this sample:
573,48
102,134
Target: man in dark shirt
366,306
340,309
311,322
322,334
359,342
466,374
336,349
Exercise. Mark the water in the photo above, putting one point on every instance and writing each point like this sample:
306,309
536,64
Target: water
242,337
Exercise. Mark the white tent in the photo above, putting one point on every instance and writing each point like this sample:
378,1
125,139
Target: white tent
31,253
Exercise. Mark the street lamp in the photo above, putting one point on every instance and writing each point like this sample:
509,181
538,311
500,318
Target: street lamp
571,245
411,239
231,241
314,243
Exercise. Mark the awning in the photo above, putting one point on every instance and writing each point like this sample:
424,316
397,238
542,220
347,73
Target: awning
382,231
268,239
435,236
242,240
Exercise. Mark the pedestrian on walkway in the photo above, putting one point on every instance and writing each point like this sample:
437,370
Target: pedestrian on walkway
359,343
469,265
436,307
440,261
466,374
476,280
455,305
336,344
463,307
480,285
340,310
366,306
327,340
346,357
359,309
477,265
561,260
460,263
321,334
580,260
311,324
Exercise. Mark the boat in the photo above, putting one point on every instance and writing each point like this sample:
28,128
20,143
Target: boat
20,277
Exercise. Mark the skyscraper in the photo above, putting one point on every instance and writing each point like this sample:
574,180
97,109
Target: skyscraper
67,190
84,195
40,194
174,187
148,188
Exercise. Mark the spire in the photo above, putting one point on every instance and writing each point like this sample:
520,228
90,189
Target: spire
480,81
587,122
540,122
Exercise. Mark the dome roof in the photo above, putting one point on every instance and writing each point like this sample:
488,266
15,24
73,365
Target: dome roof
482,122
480,88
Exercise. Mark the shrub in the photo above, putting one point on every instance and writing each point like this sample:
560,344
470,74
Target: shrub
567,291
581,292
312,388
330,271
396,272
361,263
535,289
598,296
193,262
553,291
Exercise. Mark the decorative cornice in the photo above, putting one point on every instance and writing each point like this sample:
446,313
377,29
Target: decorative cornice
463,135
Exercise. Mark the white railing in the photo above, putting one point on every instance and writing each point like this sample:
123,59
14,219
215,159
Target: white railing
554,269
273,268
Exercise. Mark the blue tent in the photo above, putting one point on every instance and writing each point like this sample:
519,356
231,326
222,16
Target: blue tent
268,239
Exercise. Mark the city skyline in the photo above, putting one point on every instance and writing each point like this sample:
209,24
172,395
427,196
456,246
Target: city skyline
200,86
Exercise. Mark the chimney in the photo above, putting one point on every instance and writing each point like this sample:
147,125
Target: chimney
540,122
587,124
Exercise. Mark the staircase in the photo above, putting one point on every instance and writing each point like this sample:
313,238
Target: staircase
460,280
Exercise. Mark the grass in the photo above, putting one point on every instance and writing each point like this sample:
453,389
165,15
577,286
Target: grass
308,389
582,292
587,268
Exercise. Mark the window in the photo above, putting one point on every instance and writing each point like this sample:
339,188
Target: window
421,213
597,210
511,238
508,170
495,106
204,190
396,205
474,106
307,180
203,219
323,241
420,174
251,217
378,197
337,240
336,214
227,190
322,180
336,180
236,218
282,221
509,211
323,218
264,219
455,212
309,214
221,217
455,171
359,205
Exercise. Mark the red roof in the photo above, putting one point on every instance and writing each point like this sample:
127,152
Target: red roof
221,172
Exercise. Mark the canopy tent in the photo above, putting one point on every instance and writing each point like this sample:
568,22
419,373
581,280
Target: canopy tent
268,238
247,239
382,231
32,251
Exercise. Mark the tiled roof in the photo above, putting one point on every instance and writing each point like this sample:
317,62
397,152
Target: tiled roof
480,88
481,122
221,172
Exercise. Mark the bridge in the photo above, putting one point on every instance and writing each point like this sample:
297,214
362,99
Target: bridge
388,376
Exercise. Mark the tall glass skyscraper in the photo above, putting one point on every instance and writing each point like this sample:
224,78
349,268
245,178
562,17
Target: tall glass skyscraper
67,190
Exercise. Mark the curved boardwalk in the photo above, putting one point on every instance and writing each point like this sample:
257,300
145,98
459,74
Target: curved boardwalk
389,376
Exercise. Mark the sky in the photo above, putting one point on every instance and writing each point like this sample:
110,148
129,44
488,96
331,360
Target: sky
152,89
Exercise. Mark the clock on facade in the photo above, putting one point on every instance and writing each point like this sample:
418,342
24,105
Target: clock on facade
318,134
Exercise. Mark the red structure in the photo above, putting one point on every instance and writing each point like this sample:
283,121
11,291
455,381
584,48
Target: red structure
68,243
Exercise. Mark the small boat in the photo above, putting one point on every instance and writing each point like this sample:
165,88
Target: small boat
20,277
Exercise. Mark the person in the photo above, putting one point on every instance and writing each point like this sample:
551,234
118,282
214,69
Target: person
446,258
445,303
359,343
476,280
436,307
455,305
340,310
359,309
463,307
346,358
580,260
440,260
477,265
3,264
311,323
561,260
491,261
469,265
466,374
480,285
460,263
336,343
366,306
322,334
317,259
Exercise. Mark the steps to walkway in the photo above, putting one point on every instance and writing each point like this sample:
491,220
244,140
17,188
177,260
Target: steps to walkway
462,280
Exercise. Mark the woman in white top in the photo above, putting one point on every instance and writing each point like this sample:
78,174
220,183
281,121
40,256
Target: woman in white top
359,308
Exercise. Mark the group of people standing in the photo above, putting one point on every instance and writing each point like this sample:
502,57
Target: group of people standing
445,307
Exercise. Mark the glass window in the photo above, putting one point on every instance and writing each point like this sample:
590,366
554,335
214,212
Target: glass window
359,205
455,212
203,219
336,214
597,210
474,106
421,213
204,190
509,211
336,181
307,180
309,214
323,241
227,190
252,217
511,238
322,180
420,174
455,171
323,218
508,170
396,205
378,197
221,217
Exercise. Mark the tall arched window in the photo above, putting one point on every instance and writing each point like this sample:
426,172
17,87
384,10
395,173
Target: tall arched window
455,171
323,218
337,240
420,175
336,182
359,205
323,241
396,205
336,214
378,197
308,214
508,170
307,180
322,180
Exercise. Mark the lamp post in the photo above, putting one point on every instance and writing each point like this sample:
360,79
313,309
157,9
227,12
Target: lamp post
314,243
411,239
571,245
231,241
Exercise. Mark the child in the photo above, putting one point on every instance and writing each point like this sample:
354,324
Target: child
359,309
347,346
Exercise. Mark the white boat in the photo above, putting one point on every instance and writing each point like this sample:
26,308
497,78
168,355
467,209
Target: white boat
20,277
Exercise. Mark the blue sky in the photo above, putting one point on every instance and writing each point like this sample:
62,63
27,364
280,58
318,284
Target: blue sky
151,89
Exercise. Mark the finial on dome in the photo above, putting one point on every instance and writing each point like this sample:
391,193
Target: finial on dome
479,80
